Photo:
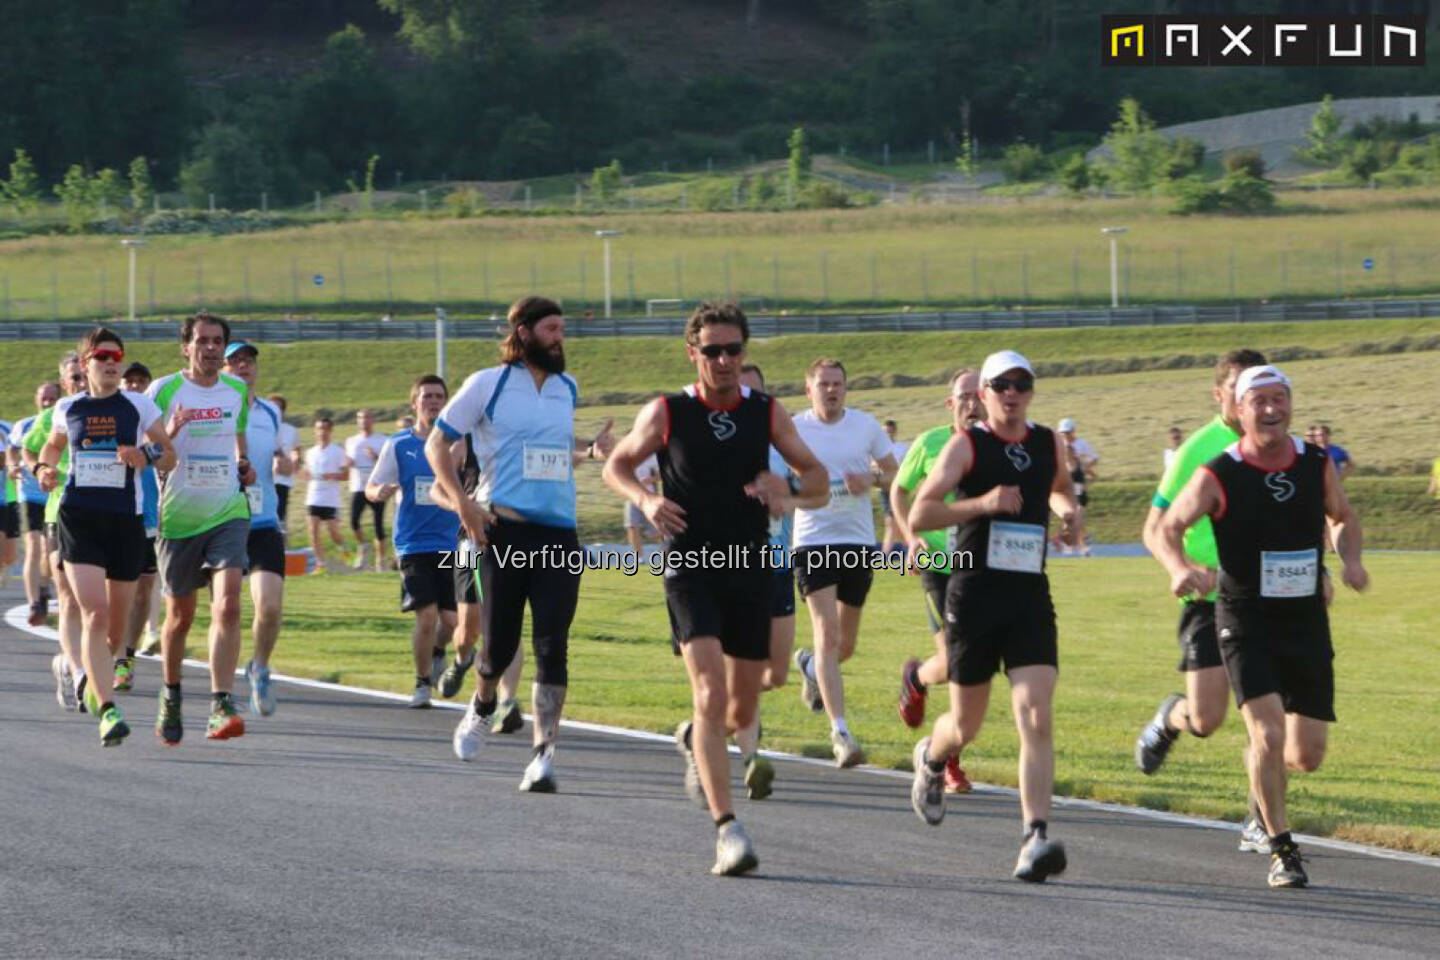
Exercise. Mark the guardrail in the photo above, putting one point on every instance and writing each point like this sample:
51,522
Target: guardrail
292,331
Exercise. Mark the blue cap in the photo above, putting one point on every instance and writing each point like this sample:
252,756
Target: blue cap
239,345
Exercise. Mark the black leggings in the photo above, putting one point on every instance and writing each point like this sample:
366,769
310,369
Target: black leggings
282,501
358,503
549,580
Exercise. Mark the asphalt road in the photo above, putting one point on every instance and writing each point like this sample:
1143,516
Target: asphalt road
342,826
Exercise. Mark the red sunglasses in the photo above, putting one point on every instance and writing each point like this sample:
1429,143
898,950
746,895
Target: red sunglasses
107,354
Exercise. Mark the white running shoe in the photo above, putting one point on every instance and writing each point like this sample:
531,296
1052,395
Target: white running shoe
420,699
847,751
1040,857
734,853
469,733
927,790
694,789
151,645
437,667
540,775
64,683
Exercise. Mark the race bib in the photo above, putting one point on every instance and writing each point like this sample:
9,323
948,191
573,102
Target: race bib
1018,547
840,495
209,473
548,463
422,491
98,468
256,498
1289,573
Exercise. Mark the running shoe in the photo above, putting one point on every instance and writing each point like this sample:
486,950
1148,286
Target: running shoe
1253,838
759,775
168,725
912,694
1287,866
809,689
1154,742
420,699
469,732
113,728
225,721
437,667
39,610
151,646
955,779
453,677
64,683
927,789
80,687
540,774
694,789
508,718
1040,857
124,674
847,751
262,689
734,853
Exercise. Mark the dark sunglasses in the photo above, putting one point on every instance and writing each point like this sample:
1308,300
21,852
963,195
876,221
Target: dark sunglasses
107,354
713,350
1021,384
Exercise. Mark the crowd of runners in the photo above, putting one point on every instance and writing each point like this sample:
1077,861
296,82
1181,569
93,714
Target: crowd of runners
123,482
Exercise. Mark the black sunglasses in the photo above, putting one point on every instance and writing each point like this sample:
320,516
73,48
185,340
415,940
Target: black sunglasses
713,350
1021,384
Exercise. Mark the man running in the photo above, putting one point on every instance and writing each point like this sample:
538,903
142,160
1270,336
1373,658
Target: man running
1268,497
137,379
916,677
424,532
32,506
523,415
204,520
1007,477
835,542
892,535
265,546
115,434
713,443
362,451
289,439
325,466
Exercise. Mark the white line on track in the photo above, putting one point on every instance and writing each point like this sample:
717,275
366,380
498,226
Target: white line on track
16,617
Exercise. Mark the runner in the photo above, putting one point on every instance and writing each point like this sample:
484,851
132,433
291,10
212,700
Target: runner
289,439
424,533
32,507
637,528
362,450
916,677
67,668
892,535
136,379
523,415
713,442
325,467
101,530
997,605
835,542
265,546
1201,708
1268,497
9,510
204,520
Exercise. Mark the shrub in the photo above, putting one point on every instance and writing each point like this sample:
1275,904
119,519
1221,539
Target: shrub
1075,174
465,202
1186,156
1245,163
1022,163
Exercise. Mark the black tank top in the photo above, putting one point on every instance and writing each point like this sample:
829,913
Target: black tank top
1270,531
1020,541
710,454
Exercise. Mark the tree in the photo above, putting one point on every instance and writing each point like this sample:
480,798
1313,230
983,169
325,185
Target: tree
605,181
1137,150
1324,134
798,168
965,159
1075,174
1022,162
22,190
77,198
140,188
228,163
1245,163
1186,156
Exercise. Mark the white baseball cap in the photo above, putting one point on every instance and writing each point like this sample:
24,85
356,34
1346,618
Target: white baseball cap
1067,425
998,363
1252,377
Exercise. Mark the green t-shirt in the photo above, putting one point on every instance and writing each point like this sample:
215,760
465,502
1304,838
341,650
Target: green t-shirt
203,491
35,442
919,460
1199,448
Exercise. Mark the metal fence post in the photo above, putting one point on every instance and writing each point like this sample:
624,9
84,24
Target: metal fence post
924,281
825,276
974,277
389,284
341,264
630,278
874,285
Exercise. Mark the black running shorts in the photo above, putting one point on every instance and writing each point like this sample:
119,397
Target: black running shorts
115,542
1281,652
467,578
151,566
266,550
733,605
424,582
782,593
1199,650
323,513
846,567
10,520
990,622
35,517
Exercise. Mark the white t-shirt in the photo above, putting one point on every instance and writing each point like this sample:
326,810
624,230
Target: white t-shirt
846,446
1169,456
363,452
319,461
897,450
648,472
1085,452
287,438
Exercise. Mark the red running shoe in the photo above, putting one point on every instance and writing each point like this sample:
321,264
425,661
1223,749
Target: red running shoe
912,695
955,779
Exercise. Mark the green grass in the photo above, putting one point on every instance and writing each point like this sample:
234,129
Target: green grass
1380,782
1007,252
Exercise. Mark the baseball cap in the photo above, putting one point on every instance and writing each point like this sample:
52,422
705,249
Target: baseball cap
1067,425
239,345
136,369
998,363
1252,377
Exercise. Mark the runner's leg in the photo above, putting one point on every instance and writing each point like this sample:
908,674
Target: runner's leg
1265,721
267,594
224,628
1032,691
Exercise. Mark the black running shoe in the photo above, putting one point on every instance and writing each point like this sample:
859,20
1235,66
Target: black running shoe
1154,742
1287,866
168,725
508,718
454,676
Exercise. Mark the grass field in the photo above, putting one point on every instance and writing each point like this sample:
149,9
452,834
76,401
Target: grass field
1002,251
1380,782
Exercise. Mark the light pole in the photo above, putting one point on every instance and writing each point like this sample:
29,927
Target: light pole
131,243
1113,233
606,236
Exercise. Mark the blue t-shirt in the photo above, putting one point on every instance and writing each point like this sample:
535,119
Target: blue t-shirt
421,526
261,438
524,437
95,428
30,490
1339,454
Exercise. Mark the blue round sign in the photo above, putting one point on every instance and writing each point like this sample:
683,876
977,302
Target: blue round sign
1368,263
320,279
